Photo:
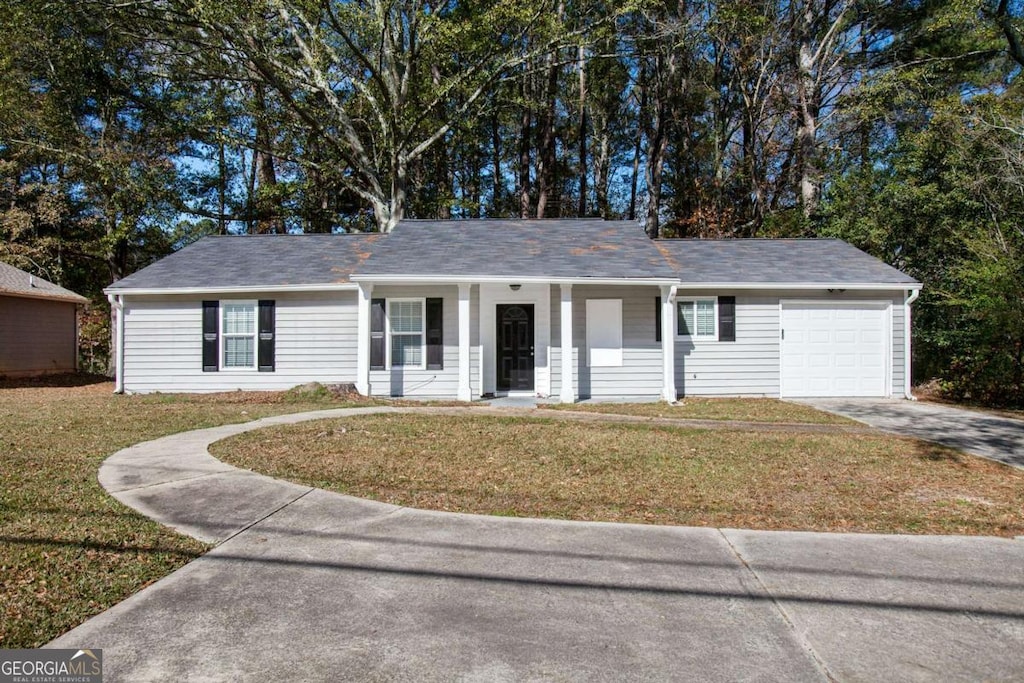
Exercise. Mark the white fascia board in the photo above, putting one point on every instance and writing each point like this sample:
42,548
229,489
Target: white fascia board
232,290
506,280
878,286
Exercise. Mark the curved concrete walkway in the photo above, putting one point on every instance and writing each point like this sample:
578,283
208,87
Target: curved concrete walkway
310,585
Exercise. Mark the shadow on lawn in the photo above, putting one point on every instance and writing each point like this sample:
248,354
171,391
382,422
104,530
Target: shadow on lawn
61,381
100,546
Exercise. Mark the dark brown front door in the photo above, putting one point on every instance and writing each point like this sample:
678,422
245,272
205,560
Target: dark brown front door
515,347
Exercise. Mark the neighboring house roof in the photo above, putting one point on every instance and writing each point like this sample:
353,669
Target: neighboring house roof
776,261
562,249
16,282
253,261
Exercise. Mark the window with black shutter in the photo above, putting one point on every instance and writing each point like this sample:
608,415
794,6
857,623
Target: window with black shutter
727,318
435,334
211,342
266,339
377,319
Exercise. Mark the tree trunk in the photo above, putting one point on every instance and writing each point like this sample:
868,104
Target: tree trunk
250,197
749,145
638,142
810,182
581,60
658,141
655,167
395,210
602,169
546,153
222,190
524,153
445,182
268,206
498,191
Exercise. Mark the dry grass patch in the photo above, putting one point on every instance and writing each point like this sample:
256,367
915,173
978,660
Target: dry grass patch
640,473
734,409
67,549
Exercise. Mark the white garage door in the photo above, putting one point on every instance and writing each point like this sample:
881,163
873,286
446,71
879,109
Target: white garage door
833,349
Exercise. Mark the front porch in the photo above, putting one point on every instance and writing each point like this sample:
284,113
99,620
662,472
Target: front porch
468,340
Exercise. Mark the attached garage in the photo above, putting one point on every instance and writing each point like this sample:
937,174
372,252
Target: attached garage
835,348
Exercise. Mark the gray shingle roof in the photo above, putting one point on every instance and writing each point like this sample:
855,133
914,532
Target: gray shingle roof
16,282
228,261
774,261
573,249
518,248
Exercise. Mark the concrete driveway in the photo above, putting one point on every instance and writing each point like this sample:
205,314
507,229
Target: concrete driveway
310,585
989,436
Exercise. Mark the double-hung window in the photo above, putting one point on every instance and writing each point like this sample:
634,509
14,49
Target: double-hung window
238,334
406,318
697,319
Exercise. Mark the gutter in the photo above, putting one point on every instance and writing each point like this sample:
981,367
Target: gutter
342,287
837,286
117,304
910,298
508,279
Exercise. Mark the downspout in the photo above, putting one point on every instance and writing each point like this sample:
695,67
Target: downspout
910,298
117,304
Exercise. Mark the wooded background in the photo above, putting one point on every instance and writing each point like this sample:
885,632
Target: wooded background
130,128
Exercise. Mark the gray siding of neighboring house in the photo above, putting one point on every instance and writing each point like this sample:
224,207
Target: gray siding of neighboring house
432,383
37,336
750,366
315,342
640,373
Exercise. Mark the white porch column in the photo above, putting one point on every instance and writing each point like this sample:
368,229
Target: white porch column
668,345
465,394
568,392
363,339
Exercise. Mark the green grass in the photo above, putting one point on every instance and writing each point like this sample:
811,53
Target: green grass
629,472
734,409
67,549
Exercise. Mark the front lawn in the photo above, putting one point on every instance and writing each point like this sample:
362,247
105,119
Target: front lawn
734,409
643,473
67,549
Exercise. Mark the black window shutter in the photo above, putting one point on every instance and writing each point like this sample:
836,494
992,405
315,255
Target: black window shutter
377,334
266,339
435,334
726,318
211,344
657,318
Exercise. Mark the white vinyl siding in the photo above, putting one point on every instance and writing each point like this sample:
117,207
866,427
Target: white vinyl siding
604,333
898,350
315,341
640,375
419,382
750,366
36,336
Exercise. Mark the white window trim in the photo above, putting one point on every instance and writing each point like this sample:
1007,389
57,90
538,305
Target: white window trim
697,338
252,303
422,301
